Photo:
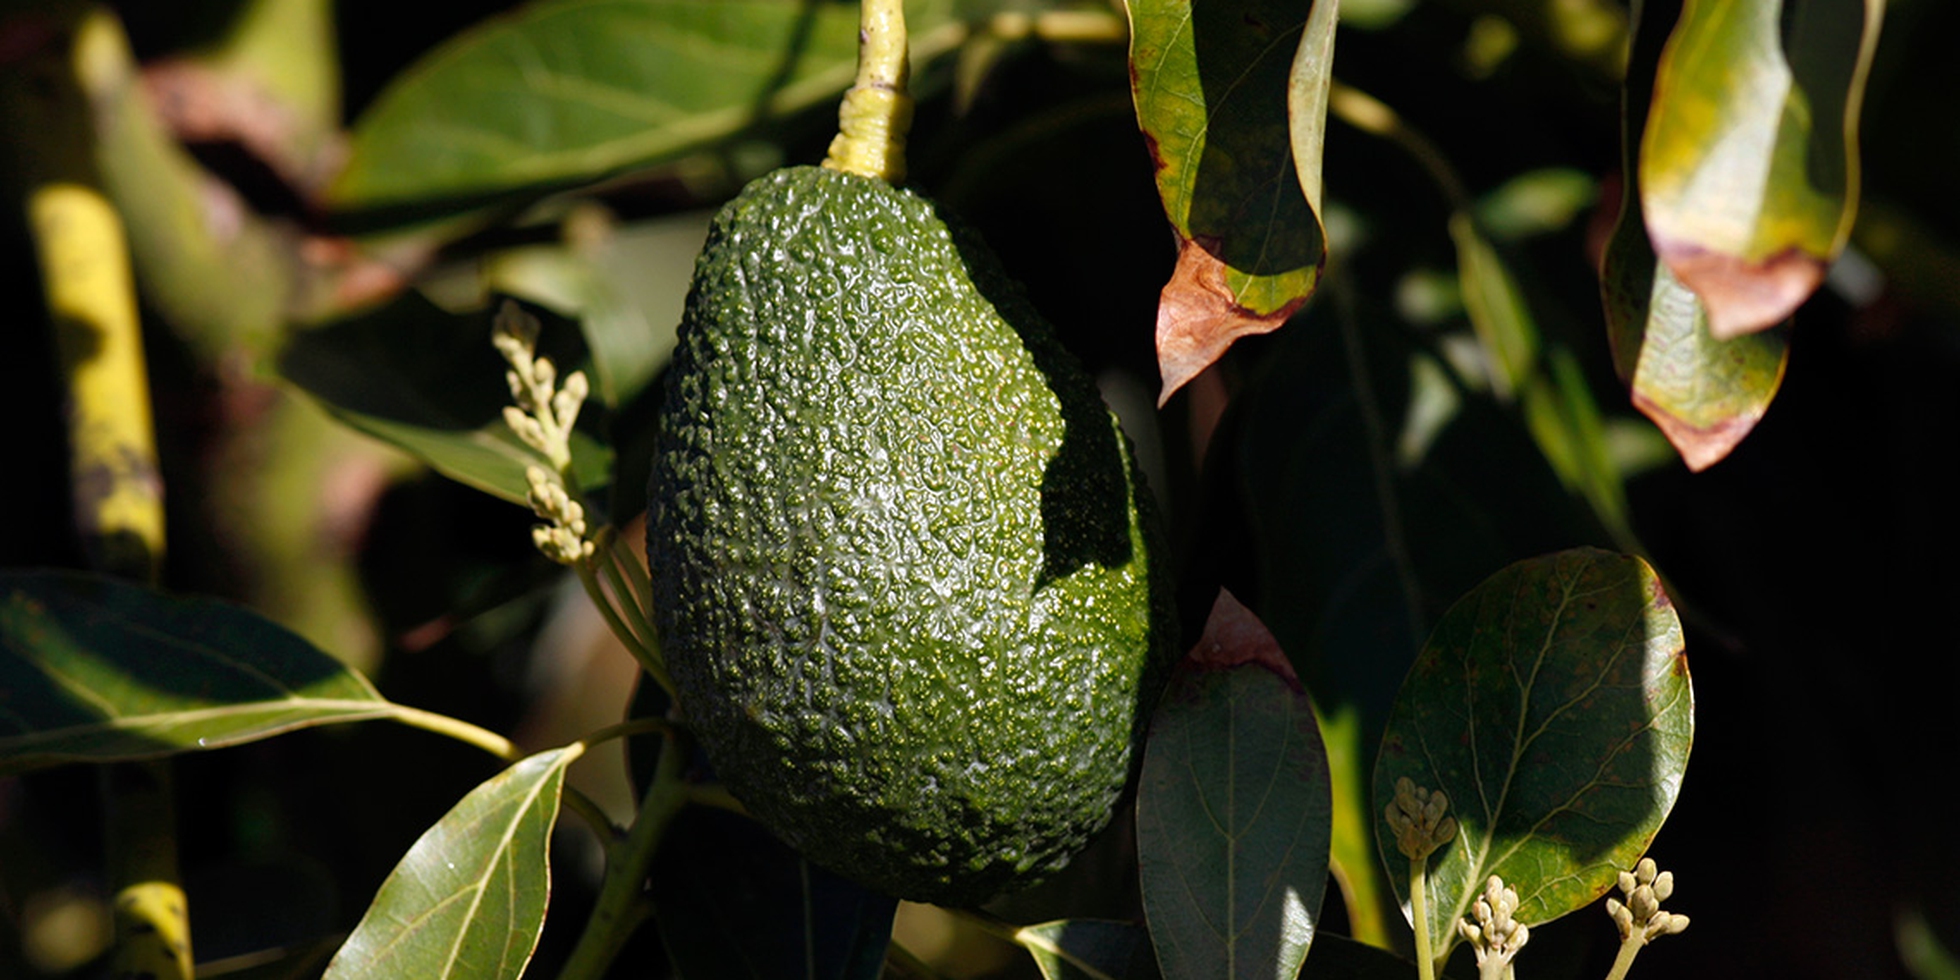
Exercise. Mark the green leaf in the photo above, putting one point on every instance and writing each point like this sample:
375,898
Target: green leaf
1749,164
1213,81
734,903
1081,949
564,92
1233,813
1553,706
97,670
1351,572
1341,958
1704,393
468,899
1496,306
429,383
1536,203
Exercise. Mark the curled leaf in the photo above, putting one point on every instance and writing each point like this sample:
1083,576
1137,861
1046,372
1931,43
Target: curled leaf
1749,163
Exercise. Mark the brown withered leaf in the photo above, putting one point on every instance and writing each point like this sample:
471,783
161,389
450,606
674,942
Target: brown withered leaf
1743,297
1198,317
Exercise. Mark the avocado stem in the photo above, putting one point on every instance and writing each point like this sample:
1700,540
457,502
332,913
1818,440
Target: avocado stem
877,112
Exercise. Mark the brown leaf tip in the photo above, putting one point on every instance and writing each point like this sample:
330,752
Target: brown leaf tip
1700,446
1234,637
1742,296
1198,317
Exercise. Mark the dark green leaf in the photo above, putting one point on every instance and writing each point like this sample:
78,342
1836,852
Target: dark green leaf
1212,82
1233,812
1705,394
1350,573
468,899
1081,949
1749,165
1553,706
1341,958
734,903
96,670
567,91
430,383
1559,410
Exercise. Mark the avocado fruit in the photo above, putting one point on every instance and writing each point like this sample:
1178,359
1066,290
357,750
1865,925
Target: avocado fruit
907,578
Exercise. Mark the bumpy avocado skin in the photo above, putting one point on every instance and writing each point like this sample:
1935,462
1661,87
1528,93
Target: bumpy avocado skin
906,575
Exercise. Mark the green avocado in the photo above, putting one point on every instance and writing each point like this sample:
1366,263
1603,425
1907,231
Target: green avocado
907,577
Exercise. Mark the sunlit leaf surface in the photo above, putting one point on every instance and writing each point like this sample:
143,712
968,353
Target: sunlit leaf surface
1704,393
468,899
97,670
567,91
1233,813
1749,165
1553,705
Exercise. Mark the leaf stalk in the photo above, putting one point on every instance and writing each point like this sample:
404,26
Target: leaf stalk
622,906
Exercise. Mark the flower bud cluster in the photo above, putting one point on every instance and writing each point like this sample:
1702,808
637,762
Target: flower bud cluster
563,540
1645,888
1495,936
1417,818
544,413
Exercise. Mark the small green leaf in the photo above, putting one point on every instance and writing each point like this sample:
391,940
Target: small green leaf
1081,949
1552,704
97,670
1535,203
1496,306
429,383
734,903
1233,813
567,91
1749,163
468,899
1213,81
1705,394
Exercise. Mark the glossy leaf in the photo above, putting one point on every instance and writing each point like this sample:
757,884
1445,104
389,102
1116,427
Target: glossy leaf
1081,949
1553,706
1212,80
429,383
1232,809
567,91
1704,394
1749,163
734,903
97,670
468,899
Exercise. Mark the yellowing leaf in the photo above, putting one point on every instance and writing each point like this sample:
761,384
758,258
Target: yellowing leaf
1749,164
1704,393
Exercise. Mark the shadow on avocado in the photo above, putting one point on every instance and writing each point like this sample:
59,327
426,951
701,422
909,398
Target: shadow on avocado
1084,500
